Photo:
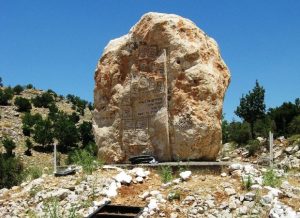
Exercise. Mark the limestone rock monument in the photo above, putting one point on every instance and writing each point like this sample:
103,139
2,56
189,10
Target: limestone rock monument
159,90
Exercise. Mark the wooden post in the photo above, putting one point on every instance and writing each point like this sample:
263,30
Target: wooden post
271,148
166,103
54,158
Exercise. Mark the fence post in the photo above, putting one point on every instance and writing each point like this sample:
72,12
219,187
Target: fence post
271,148
54,158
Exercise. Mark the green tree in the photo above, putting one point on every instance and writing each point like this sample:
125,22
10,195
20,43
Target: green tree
65,131
294,126
28,121
1,82
18,89
44,100
252,106
283,116
86,133
9,146
6,95
23,104
239,132
43,132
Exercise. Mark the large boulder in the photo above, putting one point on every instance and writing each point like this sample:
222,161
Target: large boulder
159,90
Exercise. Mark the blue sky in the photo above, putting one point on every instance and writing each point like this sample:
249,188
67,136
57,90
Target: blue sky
56,44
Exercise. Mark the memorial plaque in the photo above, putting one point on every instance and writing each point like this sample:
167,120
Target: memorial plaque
127,112
142,124
126,101
152,52
143,50
129,124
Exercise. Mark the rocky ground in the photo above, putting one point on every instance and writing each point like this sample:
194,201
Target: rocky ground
192,193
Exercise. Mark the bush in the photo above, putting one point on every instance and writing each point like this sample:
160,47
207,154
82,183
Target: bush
29,86
263,126
6,95
26,130
253,146
294,126
84,158
32,173
78,103
239,132
270,179
86,132
30,120
18,89
9,146
23,104
166,174
44,100
29,146
11,169
247,183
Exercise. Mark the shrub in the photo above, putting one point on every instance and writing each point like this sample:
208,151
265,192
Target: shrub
23,104
32,173
29,86
11,169
86,132
6,95
247,183
18,89
294,126
9,146
253,146
270,178
263,126
44,100
74,117
166,174
29,146
78,103
30,120
239,132
26,130
84,158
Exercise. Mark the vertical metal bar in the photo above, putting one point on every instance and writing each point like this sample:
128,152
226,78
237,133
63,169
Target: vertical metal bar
271,148
54,159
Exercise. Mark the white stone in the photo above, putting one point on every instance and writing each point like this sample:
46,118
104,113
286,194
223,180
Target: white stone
123,177
153,206
139,179
235,166
230,191
185,175
223,174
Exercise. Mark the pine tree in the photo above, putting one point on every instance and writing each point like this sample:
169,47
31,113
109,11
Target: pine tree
252,106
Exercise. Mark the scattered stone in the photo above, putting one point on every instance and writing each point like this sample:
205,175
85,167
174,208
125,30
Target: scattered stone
123,178
185,175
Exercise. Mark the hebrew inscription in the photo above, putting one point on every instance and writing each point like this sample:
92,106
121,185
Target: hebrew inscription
146,96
